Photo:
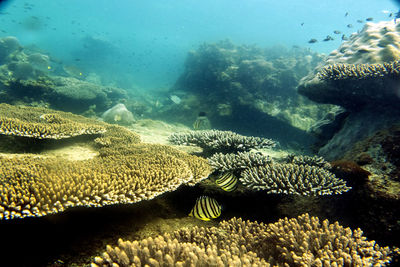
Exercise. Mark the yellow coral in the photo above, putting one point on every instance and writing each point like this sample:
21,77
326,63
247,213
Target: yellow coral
302,241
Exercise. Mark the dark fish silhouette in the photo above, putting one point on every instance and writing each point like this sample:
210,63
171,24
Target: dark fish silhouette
302,24
312,41
344,38
347,13
337,32
328,38
369,19
397,16
349,25
360,21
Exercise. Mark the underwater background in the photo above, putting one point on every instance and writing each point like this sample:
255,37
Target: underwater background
145,43
199,133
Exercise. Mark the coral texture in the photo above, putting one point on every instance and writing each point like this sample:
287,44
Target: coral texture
302,241
293,179
125,171
311,161
233,162
220,141
44,123
376,43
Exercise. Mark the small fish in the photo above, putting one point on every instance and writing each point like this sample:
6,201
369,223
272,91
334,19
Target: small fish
360,21
347,13
73,71
369,19
176,99
337,32
206,208
312,41
390,15
397,16
328,38
349,25
344,38
202,122
227,181
301,24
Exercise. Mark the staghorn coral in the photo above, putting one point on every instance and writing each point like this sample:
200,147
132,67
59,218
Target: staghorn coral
43,123
220,141
311,161
301,241
241,160
360,71
292,179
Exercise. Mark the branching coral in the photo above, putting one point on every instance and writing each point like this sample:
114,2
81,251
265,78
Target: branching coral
220,141
293,179
311,161
302,241
233,162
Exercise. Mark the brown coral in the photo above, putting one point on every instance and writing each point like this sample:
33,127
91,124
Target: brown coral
304,241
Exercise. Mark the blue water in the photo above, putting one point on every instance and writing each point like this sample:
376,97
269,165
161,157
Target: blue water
143,44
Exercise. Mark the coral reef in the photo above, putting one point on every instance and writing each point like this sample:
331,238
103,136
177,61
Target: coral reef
379,155
239,161
289,242
220,141
354,86
292,179
28,76
317,161
124,172
376,43
362,76
43,123
236,82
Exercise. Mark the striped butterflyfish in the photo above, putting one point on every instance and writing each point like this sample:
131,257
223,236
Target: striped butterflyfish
227,181
206,208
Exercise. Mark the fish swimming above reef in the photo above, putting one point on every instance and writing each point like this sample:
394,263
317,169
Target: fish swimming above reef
349,25
360,21
206,208
344,38
369,19
73,71
176,99
227,181
202,122
328,38
337,32
396,16
312,41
